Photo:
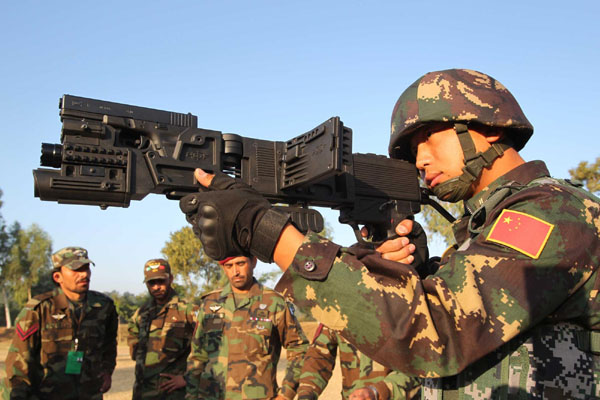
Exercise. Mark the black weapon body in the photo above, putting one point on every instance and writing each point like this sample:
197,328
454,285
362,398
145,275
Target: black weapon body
112,153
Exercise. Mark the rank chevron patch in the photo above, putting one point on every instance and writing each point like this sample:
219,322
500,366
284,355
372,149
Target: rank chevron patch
25,334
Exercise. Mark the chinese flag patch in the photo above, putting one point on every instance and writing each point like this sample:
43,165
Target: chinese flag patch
25,334
522,232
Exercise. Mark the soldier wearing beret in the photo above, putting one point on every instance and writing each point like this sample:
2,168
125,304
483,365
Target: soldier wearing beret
512,309
65,341
159,337
237,345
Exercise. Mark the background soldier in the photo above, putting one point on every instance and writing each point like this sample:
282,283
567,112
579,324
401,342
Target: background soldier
513,311
237,344
65,342
362,378
159,337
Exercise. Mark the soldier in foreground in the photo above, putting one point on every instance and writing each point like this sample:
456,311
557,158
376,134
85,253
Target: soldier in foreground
362,378
160,333
65,342
511,311
237,344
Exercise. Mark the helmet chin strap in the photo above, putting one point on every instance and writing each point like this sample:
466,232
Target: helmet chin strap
457,189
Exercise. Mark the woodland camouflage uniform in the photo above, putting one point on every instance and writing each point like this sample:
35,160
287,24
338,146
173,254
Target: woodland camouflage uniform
45,332
159,336
236,346
159,342
514,312
48,328
358,370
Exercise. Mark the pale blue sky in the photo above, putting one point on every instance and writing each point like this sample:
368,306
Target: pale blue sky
272,70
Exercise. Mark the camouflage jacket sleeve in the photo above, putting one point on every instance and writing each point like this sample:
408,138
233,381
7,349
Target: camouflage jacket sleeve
109,357
486,293
319,362
133,332
197,359
397,386
191,316
23,368
296,344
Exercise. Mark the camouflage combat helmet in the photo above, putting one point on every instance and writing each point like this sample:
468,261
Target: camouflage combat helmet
460,98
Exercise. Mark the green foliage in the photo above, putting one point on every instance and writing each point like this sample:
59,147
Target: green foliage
269,278
327,231
438,227
589,174
194,270
127,303
29,260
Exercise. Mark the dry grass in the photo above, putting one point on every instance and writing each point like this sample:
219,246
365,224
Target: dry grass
123,377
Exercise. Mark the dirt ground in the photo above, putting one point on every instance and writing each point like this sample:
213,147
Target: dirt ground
122,379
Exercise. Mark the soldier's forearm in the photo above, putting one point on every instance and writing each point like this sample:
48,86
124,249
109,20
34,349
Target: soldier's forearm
288,244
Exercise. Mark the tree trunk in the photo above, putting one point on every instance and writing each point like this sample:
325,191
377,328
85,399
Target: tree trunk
6,308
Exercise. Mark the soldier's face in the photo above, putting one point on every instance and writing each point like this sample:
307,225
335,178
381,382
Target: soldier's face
159,288
240,272
73,281
438,155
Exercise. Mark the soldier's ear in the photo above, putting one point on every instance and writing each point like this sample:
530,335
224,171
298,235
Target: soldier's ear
57,276
494,136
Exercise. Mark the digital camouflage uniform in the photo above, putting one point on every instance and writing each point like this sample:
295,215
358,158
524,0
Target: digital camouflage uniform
500,317
236,347
49,328
358,370
159,342
45,331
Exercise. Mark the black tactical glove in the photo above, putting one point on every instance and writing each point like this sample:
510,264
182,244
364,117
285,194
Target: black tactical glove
232,219
418,237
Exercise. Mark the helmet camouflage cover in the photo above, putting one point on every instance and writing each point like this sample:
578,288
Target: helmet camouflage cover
456,96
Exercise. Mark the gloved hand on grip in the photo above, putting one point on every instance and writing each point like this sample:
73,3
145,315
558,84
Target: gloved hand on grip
419,238
232,219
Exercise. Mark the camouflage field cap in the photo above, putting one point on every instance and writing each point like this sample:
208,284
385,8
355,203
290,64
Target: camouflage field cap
157,268
456,95
71,257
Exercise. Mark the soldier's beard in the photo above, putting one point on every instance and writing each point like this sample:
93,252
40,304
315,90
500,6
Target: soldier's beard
160,295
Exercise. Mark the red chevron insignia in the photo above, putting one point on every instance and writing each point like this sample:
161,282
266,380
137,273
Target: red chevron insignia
25,334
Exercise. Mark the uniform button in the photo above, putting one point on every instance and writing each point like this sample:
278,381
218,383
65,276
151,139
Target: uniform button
309,266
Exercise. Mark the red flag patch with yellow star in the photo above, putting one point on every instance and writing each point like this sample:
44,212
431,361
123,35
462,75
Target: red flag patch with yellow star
522,232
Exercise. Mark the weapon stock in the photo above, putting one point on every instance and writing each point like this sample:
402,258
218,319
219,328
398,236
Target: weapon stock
112,153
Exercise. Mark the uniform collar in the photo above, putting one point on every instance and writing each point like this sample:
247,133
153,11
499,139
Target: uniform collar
521,175
61,302
255,291
173,299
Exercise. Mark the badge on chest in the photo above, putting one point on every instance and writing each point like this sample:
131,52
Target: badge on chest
214,321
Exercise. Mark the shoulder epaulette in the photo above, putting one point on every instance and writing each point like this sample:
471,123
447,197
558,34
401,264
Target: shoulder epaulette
35,300
274,293
98,297
211,292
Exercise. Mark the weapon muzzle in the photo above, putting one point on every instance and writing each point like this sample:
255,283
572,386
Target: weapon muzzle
51,155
